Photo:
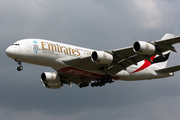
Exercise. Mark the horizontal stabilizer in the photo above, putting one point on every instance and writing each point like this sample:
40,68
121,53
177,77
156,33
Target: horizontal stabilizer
169,70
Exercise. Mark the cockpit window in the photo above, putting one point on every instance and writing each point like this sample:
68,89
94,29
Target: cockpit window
16,44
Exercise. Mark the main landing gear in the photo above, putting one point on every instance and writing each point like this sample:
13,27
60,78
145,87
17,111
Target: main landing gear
104,80
20,65
83,85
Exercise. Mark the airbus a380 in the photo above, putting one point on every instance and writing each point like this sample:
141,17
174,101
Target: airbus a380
144,60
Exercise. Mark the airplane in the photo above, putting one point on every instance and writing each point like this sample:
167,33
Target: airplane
145,60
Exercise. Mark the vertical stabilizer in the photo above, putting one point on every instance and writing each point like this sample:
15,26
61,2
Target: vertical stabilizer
161,61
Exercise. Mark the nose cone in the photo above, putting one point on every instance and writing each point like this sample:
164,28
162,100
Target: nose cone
10,52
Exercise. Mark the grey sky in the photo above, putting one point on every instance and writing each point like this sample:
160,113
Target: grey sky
96,24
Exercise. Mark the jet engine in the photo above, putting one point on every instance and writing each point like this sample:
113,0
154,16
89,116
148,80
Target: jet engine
51,80
144,48
101,57
52,86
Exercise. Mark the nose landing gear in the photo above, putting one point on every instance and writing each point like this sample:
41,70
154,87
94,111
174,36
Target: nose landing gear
20,65
19,68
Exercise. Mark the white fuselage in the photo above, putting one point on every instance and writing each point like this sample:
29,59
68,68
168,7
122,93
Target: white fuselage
51,54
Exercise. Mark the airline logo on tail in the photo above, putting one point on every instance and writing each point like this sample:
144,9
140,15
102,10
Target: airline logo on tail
154,59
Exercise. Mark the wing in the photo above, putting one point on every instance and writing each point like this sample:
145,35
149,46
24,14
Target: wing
82,63
68,79
124,57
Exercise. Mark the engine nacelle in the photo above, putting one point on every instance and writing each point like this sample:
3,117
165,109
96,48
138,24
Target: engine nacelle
52,86
101,57
50,78
144,48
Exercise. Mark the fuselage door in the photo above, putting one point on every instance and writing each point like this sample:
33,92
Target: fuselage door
28,48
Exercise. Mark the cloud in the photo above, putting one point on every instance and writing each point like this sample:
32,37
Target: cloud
147,110
150,12
97,24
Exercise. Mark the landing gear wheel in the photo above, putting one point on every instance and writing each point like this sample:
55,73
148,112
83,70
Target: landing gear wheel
80,85
19,68
92,84
84,85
